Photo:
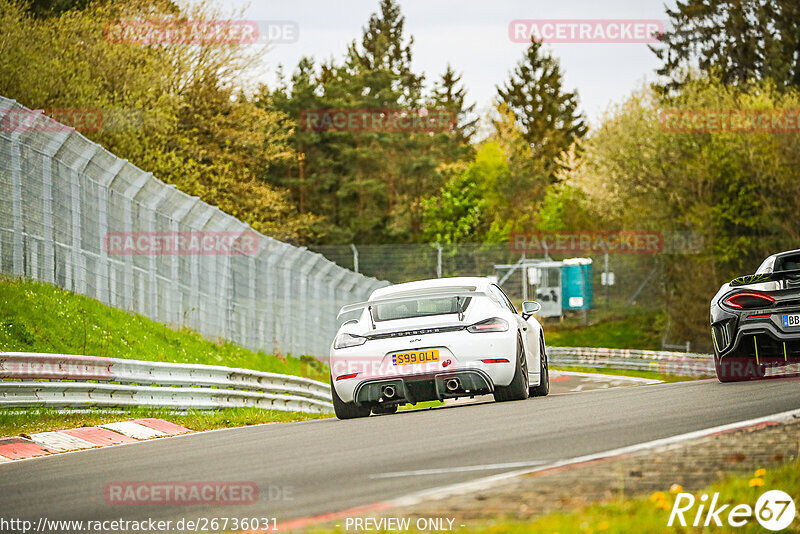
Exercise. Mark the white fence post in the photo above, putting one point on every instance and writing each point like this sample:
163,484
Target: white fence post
18,249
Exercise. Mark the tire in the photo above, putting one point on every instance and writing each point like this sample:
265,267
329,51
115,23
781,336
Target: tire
347,410
384,410
544,372
737,369
518,388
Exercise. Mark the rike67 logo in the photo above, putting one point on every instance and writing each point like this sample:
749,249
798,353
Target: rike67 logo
774,510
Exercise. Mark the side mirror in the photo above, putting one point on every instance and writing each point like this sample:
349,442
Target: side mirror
529,307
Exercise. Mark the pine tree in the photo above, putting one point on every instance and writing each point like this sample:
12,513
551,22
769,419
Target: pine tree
740,41
547,115
451,95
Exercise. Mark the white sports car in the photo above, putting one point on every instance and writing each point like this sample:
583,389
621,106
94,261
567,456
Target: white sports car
434,340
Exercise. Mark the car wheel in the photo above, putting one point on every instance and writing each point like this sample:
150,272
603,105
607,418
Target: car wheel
544,371
384,410
518,388
347,410
738,369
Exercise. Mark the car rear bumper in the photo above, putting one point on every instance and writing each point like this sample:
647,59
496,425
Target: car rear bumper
766,343
425,387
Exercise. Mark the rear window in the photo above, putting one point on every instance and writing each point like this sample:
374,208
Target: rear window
419,308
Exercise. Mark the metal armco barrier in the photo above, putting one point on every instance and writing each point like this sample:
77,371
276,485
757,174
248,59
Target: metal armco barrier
60,380
666,363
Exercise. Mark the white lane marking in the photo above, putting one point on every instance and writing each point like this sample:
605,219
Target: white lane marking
604,376
493,480
486,467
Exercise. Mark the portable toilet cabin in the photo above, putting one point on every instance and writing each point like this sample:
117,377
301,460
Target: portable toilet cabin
576,284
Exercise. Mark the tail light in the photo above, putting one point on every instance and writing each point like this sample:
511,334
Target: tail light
346,340
495,360
749,300
346,377
495,324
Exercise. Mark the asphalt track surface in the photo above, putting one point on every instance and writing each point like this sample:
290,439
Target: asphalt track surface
329,465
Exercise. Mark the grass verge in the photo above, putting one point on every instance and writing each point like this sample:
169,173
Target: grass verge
14,421
651,514
38,317
616,328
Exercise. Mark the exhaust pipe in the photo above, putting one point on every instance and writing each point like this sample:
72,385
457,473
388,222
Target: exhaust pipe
452,384
389,391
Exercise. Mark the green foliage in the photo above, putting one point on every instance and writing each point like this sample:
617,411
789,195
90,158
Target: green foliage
454,215
738,191
368,185
739,41
547,114
170,109
36,317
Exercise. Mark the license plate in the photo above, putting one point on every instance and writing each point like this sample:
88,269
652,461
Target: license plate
791,320
418,356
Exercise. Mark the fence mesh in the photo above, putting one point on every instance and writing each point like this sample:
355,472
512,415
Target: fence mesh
61,196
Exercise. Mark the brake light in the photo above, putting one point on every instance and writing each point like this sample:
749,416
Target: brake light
346,377
495,360
495,324
749,300
762,316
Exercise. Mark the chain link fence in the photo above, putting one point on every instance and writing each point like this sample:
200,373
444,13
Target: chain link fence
636,277
64,200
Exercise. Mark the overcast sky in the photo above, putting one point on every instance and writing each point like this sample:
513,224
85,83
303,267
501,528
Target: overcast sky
473,36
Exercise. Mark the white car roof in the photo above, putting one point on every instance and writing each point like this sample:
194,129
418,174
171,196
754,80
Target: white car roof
469,283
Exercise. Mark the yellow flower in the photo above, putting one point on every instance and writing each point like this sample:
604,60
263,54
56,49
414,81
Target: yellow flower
603,525
658,496
663,505
760,473
675,488
756,482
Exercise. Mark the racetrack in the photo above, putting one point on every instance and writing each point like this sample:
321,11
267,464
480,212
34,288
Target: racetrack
332,465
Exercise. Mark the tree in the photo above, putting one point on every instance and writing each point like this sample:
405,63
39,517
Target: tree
456,213
369,184
547,115
449,94
738,191
739,41
170,109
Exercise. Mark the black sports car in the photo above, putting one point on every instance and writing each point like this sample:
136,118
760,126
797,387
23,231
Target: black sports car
755,320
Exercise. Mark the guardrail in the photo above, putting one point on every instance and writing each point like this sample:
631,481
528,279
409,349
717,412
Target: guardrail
62,380
666,363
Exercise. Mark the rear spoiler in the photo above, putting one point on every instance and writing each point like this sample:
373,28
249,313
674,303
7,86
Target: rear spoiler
412,296
777,276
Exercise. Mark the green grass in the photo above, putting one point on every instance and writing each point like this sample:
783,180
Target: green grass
618,328
14,422
37,317
646,514
651,514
